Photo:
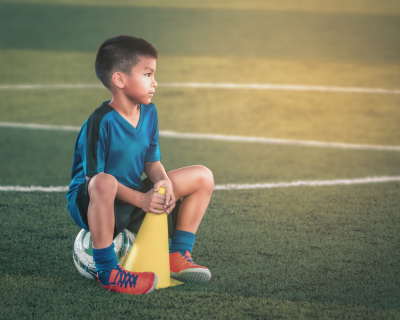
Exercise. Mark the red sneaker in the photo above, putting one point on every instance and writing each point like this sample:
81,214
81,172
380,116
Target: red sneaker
184,269
121,280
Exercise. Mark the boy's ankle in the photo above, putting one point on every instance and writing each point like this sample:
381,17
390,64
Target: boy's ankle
104,276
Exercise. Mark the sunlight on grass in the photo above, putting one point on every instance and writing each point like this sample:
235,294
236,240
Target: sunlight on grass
354,6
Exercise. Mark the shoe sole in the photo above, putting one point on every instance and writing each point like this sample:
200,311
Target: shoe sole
192,275
154,284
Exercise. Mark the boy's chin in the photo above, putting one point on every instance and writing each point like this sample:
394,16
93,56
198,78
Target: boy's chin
144,102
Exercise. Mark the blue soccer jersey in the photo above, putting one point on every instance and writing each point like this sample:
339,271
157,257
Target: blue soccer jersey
109,143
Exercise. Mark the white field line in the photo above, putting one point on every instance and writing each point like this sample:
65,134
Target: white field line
220,137
307,183
38,126
34,188
287,87
257,86
322,144
51,86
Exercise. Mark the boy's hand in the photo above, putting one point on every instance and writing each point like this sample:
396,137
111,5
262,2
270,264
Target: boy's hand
169,202
152,201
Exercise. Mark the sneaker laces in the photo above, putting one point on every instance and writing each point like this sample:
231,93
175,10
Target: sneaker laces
188,259
125,278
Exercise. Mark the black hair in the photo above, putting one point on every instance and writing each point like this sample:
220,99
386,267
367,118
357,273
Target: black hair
121,53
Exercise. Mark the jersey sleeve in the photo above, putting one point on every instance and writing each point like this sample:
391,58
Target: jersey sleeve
154,154
96,148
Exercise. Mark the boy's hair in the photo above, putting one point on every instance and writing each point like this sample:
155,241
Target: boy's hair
121,53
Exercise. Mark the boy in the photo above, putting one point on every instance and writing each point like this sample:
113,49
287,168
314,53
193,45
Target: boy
114,147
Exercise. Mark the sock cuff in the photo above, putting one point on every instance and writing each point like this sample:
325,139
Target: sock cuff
105,259
182,241
103,250
181,235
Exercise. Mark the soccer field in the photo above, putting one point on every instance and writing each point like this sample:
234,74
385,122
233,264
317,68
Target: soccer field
294,108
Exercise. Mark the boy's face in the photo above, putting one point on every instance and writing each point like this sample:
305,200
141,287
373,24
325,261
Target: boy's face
140,85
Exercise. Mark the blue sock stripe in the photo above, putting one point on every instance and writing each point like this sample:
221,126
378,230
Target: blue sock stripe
182,241
105,259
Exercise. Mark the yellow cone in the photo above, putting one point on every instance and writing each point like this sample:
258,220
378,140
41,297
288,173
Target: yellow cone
150,250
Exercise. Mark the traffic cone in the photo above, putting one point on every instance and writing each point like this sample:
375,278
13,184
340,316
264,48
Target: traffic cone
150,250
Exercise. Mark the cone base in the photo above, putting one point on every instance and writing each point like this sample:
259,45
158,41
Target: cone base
172,283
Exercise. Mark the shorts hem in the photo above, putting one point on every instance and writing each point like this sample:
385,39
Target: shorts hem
75,214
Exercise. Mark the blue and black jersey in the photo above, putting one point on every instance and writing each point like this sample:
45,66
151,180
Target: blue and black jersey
109,143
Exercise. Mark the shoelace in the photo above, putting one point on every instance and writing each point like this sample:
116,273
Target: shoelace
124,278
188,259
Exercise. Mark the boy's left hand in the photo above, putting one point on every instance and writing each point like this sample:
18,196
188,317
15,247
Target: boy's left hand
169,203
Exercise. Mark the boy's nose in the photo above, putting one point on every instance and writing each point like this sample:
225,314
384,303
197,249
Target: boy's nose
155,83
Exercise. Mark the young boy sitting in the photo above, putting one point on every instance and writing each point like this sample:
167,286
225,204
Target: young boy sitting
114,147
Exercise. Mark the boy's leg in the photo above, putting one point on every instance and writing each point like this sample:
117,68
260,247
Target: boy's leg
195,184
102,190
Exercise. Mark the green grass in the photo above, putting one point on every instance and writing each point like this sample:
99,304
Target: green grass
50,67
335,117
354,6
300,252
24,161
174,31
291,253
283,253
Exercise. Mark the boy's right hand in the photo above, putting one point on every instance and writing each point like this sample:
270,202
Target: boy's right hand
152,201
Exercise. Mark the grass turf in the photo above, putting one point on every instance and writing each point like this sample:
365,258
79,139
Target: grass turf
278,34
351,118
294,253
50,67
355,6
25,161
282,253
291,253
344,117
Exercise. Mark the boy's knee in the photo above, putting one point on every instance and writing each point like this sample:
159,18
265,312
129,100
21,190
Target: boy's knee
103,185
206,178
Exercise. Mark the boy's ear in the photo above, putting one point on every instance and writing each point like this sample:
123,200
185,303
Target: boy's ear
118,80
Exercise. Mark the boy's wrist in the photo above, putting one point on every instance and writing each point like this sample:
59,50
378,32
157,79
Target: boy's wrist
141,200
163,181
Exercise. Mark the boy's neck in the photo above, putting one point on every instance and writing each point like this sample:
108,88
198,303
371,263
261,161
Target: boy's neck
124,106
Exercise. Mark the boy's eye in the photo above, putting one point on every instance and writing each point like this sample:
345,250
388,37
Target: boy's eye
147,74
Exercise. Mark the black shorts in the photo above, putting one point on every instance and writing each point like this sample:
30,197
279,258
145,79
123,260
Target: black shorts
127,216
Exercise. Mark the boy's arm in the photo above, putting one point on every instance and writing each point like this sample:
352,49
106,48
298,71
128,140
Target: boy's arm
155,172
